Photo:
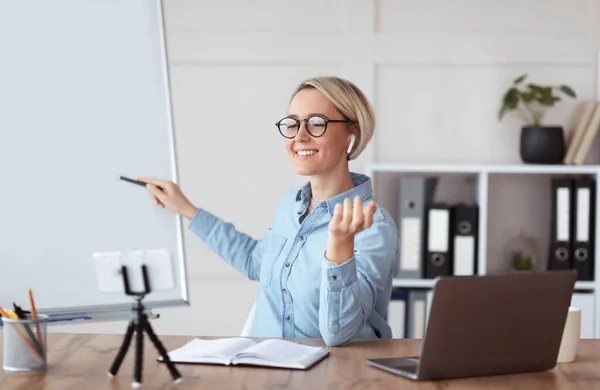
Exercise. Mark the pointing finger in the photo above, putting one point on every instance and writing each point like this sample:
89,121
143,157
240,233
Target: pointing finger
156,201
154,198
158,194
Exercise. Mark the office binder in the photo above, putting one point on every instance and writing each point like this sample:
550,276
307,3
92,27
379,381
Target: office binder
465,228
584,213
396,315
414,194
416,314
438,241
561,247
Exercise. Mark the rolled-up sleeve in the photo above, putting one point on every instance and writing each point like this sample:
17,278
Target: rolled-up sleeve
350,290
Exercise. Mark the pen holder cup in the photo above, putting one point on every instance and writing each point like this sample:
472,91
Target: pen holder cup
25,344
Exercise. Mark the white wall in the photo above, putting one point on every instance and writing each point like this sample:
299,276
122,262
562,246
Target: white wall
434,70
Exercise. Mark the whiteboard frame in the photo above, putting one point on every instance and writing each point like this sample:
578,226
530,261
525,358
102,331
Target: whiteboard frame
121,311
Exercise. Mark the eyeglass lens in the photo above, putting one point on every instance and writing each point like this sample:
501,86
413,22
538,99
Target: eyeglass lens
315,125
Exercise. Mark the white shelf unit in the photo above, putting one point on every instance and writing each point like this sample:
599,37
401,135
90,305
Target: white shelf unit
486,177
428,283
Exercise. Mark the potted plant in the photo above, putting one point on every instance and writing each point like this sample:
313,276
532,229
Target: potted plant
521,263
540,143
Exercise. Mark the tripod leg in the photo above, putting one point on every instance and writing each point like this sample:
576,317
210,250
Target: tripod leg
123,350
139,355
161,349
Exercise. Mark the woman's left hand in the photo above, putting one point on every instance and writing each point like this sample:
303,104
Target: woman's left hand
347,221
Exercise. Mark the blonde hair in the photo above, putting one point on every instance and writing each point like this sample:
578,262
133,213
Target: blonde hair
351,102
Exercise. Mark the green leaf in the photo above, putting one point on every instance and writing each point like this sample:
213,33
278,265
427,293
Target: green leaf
535,88
511,99
527,97
501,112
520,79
546,100
568,91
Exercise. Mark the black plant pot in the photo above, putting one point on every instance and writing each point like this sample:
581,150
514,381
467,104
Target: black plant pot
542,144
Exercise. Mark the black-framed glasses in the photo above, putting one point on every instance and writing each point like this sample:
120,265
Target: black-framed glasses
315,125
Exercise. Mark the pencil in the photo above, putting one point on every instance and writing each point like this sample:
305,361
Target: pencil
20,314
34,315
4,314
23,336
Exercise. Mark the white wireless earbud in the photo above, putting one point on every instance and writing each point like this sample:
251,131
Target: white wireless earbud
352,138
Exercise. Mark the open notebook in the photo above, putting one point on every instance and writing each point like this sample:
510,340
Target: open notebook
240,350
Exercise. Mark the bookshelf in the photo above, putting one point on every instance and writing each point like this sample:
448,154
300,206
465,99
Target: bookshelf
510,197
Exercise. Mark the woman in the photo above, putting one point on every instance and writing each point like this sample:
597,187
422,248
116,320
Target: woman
326,265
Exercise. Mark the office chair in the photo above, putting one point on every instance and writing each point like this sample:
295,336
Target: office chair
249,321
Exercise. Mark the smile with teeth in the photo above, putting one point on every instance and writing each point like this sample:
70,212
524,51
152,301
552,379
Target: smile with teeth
306,152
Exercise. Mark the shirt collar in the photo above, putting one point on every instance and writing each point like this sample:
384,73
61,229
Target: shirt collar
362,187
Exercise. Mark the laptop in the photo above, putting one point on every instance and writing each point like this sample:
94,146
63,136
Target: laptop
490,325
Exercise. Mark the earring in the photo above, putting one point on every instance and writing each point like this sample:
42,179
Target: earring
352,138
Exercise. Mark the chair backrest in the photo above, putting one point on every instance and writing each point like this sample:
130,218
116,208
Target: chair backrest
248,325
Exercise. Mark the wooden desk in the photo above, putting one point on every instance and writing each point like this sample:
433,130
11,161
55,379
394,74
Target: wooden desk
82,361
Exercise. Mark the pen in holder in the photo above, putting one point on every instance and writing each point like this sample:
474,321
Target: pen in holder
25,346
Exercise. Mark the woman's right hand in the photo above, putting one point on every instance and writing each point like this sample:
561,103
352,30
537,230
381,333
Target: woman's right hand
170,196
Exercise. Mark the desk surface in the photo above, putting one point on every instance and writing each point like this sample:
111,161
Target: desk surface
81,361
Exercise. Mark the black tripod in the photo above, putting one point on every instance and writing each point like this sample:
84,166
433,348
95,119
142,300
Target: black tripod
140,324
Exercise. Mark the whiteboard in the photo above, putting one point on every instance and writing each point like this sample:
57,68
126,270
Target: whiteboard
84,98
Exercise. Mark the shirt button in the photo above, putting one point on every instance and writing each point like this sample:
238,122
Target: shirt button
299,212
287,317
287,264
333,277
301,238
284,291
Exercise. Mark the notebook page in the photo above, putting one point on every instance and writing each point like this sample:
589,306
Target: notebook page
210,351
286,353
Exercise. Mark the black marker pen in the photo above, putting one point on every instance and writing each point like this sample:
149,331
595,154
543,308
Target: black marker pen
139,183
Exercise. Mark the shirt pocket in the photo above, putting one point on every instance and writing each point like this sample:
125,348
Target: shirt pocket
273,248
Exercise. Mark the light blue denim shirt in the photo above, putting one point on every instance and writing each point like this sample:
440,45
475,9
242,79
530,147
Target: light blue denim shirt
301,293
